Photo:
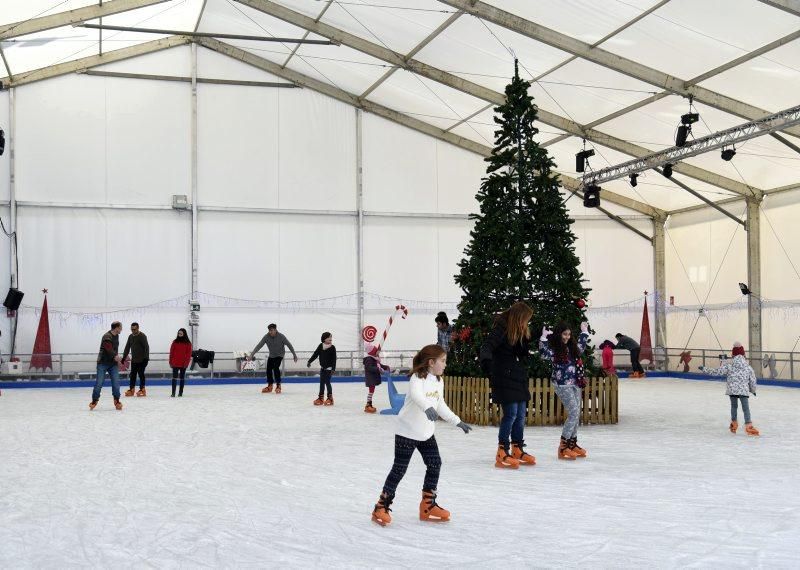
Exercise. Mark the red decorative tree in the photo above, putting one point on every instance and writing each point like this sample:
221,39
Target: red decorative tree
42,359
645,343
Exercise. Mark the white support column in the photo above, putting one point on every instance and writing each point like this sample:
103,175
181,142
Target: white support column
754,278
360,228
12,139
194,328
660,284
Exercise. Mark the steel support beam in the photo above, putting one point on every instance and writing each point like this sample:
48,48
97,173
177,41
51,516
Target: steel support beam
579,193
442,27
608,59
360,224
789,6
660,281
175,78
392,115
193,189
106,8
476,90
704,199
306,34
206,35
702,77
754,277
12,206
95,60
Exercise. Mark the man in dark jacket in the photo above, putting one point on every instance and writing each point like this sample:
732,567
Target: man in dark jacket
139,349
627,343
108,360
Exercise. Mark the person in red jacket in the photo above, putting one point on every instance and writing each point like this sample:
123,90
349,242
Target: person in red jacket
608,358
180,355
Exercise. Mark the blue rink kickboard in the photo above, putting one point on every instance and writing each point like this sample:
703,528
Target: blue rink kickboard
192,381
395,403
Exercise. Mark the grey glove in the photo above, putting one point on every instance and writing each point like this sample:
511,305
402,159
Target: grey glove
466,427
432,415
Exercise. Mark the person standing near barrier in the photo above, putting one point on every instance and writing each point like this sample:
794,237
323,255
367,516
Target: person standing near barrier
139,349
180,355
276,345
444,330
627,343
568,378
504,357
108,360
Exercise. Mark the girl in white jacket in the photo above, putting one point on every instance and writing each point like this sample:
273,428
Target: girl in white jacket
424,404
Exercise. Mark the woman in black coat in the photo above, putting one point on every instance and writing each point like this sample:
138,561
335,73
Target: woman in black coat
504,357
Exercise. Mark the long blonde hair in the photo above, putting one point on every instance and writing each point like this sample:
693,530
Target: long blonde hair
516,319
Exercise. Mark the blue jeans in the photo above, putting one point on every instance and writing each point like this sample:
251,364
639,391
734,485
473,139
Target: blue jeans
745,400
513,422
113,371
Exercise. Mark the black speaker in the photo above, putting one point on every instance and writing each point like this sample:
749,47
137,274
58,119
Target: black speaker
13,299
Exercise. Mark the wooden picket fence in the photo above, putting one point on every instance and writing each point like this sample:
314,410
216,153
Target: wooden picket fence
469,398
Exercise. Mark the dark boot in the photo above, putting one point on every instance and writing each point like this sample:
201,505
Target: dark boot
174,385
180,393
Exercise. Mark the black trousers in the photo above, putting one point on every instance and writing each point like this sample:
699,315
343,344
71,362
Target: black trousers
137,369
403,450
274,369
175,373
635,360
325,382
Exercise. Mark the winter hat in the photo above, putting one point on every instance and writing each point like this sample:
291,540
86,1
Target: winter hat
738,349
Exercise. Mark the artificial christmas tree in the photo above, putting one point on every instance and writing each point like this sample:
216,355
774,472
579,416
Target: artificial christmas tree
522,245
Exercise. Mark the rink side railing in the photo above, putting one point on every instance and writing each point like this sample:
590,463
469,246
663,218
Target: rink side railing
81,366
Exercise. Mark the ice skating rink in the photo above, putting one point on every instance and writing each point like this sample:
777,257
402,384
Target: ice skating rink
229,477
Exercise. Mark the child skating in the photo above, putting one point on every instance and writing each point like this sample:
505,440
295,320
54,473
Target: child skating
424,404
560,347
741,382
326,353
373,369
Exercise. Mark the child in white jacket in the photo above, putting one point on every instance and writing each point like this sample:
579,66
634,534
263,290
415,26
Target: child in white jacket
424,404
741,382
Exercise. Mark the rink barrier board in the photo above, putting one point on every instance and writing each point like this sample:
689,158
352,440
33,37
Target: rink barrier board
123,380
469,398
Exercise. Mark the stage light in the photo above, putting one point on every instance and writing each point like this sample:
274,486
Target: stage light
580,159
690,118
634,180
682,135
728,154
744,289
591,196
667,171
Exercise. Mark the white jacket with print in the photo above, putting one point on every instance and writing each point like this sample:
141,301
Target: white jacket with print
741,377
423,393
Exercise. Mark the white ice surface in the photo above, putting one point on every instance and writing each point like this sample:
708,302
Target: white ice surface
229,477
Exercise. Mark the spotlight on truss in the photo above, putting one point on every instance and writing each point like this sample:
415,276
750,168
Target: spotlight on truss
728,154
591,196
667,171
580,159
690,118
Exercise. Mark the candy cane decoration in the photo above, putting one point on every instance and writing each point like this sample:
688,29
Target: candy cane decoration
403,314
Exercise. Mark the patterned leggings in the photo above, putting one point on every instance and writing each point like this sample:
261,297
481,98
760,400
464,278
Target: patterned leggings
570,396
403,450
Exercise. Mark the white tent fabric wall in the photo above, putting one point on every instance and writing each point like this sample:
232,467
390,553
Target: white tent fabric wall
114,142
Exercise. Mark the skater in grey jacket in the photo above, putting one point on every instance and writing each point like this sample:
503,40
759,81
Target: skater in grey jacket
275,342
741,382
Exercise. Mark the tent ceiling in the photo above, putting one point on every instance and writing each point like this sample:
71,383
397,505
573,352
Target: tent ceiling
683,38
